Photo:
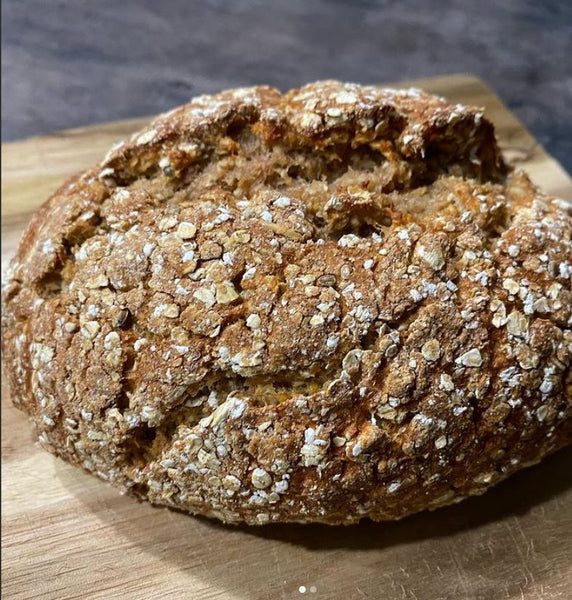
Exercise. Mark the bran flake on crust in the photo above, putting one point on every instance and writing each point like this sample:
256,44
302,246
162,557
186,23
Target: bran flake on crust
326,305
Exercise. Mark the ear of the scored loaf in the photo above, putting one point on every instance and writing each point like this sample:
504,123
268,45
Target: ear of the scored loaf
328,117
403,138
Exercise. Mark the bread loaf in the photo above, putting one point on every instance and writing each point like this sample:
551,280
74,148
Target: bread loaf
320,306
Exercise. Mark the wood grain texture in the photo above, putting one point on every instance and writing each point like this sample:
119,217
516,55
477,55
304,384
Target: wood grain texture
67,535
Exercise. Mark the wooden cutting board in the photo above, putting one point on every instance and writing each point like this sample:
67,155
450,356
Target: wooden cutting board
68,535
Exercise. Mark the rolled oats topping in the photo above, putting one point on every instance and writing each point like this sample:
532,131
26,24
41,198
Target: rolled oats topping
319,306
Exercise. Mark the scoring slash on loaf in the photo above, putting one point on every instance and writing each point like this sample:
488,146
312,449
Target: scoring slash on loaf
321,306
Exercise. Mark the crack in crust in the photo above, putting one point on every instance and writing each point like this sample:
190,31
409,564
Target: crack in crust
321,306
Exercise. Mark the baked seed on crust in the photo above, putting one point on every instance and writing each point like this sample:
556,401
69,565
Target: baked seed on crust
320,306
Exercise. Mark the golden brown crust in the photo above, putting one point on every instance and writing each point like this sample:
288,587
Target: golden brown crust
332,304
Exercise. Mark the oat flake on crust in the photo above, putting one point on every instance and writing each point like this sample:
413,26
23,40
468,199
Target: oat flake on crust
326,305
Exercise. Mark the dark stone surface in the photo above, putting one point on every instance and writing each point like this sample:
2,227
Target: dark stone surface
73,62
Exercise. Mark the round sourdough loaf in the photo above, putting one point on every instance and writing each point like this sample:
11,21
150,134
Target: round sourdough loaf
326,305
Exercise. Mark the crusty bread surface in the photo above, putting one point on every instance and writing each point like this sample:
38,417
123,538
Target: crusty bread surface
320,306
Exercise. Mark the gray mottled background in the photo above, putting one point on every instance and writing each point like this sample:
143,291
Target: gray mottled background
72,62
